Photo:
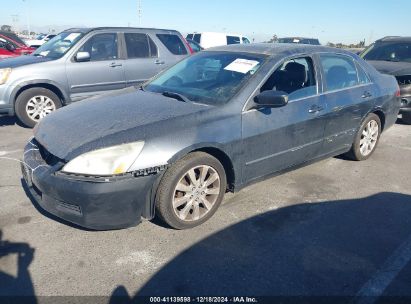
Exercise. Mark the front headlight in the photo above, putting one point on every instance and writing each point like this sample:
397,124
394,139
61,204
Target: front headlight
109,161
4,75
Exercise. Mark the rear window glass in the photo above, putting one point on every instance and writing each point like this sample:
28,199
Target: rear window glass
173,43
233,40
197,38
140,46
340,71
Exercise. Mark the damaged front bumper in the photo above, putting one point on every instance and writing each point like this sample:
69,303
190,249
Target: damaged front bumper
98,203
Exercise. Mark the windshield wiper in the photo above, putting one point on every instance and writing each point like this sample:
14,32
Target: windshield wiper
38,55
175,96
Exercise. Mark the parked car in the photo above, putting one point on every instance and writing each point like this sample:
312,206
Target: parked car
194,46
12,46
392,55
211,39
173,148
299,40
40,40
81,63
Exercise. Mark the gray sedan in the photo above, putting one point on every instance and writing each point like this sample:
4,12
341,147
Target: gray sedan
215,122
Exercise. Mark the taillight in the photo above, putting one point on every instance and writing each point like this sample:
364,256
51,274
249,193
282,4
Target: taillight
189,47
398,92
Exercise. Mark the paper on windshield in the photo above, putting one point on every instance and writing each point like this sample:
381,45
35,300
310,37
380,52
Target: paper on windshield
242,65
72,37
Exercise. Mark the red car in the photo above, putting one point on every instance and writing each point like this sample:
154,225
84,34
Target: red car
12,46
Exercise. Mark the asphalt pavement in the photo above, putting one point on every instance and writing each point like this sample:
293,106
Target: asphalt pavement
335,228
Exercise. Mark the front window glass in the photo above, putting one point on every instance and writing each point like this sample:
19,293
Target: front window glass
233,40
211,77
296,77
340,72
397,52
101,47
59,45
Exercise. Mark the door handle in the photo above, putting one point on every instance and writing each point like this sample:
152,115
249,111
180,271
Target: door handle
159,62
366,95
315,109
114,65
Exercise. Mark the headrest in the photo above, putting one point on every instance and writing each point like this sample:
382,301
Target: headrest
296,72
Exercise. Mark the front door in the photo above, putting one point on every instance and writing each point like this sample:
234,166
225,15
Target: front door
278,138
103,72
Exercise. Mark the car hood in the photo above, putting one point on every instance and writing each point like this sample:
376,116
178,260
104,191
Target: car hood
111,120
392,68
22,60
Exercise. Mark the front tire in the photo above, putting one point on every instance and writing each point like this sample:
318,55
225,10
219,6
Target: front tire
191,191
406,118
367,138
34,104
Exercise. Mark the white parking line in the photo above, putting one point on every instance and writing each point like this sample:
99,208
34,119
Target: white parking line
376,286
4,153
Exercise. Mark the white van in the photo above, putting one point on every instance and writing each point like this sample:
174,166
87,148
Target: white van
211,39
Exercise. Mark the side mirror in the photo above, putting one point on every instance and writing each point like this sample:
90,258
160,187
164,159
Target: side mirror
83,56
271,99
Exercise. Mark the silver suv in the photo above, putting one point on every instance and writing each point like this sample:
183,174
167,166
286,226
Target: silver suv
81,63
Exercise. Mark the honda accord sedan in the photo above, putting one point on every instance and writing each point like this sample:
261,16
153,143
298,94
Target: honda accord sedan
214,122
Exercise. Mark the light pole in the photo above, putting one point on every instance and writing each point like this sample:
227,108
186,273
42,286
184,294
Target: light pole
140,12
28,16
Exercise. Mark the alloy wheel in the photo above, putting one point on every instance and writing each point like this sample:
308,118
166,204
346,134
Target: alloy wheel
196,193
369,138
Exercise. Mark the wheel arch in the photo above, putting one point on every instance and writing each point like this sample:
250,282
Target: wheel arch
46,84
381,116
216,151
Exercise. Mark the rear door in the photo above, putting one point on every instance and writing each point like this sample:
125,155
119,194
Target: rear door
349,95
143,59
102,73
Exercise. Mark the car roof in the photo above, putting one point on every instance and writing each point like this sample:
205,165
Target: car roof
271,49
394,39
296,37
123,29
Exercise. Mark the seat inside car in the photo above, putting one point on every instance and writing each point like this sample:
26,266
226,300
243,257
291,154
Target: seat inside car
292,78
337,78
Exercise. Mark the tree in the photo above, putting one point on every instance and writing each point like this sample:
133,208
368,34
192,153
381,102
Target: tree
274,39
6,28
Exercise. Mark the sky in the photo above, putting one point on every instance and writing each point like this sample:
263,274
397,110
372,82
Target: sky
347,21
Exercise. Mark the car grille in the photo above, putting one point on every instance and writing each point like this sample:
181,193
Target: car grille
48,158
404,80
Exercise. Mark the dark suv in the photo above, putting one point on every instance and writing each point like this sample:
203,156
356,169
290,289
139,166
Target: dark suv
81,63
392,55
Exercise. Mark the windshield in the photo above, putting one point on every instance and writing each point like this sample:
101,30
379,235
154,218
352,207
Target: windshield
388,52
58,46
211,77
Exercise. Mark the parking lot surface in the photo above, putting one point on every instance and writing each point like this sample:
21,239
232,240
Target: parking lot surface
334,228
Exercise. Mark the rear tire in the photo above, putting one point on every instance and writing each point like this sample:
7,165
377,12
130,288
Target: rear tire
367,138
406,118
34,104
191,191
